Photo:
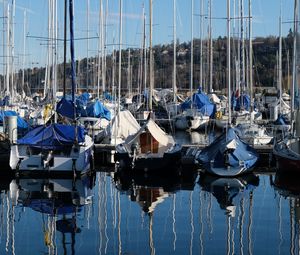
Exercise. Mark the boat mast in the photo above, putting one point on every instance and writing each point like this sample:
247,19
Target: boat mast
12,45
228,62
87,43
174,51
102,48
99,50
243,50
72,51
65,49
120,55
201,45
250,59
7,50
192,49
144,51
294,89
24,50
280,57
151,59
210,48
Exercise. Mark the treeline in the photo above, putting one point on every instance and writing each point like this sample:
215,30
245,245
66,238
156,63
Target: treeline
265,62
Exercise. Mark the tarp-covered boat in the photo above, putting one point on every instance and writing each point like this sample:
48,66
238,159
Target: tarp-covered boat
148,149
228,155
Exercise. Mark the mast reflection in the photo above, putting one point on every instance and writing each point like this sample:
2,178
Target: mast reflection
232,195
58,201
287,186
151,190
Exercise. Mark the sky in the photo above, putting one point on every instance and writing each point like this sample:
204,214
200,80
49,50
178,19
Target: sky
265,22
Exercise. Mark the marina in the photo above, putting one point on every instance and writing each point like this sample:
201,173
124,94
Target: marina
115,139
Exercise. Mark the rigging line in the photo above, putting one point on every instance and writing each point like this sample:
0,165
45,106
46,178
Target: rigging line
174,222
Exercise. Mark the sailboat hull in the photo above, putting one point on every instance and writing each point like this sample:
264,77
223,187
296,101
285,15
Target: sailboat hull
287,155
78,160
148,162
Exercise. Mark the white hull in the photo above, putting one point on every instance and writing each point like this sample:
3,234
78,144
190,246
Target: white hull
190,121
22,158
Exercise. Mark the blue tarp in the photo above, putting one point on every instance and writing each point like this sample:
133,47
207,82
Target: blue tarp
202,103
96,109
221,156
4,101
242,102
281,120
54,136
66,108
83,99
22,124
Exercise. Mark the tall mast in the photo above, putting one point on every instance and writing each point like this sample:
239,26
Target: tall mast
99,50
102,48
174,51
151,59
250,58
65,49
294,82
120,56
72,50
129,74
210,48
201,44
243,48
12,45
7,51
87,43
280,57
192,49
24,50
228,62
144,49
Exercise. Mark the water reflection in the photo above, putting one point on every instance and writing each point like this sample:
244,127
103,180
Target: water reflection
57,201
130,213
288,187
232,195
226,190
151,190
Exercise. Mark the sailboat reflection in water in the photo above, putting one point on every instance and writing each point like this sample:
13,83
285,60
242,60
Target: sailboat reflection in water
232,194
59,201
227,190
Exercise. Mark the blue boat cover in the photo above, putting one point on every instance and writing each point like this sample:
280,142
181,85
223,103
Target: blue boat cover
96,109
83,99
200,102
66,108
281,120
242,102
54,136
21,123
218,152
4,101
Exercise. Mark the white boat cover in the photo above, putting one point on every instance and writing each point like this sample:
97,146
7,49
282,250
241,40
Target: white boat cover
214,99
123,125
159,135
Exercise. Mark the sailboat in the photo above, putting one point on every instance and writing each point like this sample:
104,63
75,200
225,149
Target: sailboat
150,148
228,155
55,148
287,149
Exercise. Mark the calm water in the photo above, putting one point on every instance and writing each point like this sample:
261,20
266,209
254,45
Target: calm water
114,214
